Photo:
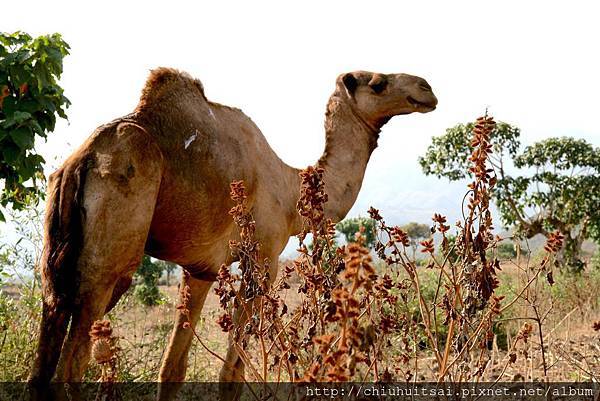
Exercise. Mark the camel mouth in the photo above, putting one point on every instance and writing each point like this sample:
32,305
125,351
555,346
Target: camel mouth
421,106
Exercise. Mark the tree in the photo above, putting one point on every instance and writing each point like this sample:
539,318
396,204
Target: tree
506,251
168,268
146,289
557,186
416,233
30,101
349,228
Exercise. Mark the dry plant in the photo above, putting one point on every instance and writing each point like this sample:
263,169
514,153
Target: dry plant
337,284
359,321
105,353
104,349
467,278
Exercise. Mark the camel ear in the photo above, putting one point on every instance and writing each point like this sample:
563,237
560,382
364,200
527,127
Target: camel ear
350,83
378,83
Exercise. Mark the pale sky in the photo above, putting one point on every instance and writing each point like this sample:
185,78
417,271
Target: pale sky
534,64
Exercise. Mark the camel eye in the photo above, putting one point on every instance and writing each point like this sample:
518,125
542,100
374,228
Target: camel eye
378,87
378,83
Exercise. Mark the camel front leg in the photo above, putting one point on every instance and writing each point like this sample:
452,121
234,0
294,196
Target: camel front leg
174,366
231,376
233,368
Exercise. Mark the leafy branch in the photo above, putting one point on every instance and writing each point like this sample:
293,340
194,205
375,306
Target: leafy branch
30,101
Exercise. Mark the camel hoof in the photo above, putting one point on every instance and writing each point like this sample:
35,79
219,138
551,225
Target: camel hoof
230,391
167,391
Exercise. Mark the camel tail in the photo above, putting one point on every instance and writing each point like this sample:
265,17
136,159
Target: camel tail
63,239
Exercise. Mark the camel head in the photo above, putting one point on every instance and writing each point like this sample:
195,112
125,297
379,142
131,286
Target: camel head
379,97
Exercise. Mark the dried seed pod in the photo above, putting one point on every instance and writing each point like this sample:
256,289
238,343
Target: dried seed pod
102,350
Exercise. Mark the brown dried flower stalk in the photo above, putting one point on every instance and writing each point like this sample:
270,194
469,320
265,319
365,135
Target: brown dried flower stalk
104,349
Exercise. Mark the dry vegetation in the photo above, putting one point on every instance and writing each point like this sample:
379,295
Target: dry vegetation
339,313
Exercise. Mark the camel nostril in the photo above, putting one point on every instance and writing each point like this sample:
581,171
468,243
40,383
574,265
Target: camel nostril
425,86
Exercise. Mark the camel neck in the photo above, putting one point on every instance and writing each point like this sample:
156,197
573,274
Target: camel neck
349,142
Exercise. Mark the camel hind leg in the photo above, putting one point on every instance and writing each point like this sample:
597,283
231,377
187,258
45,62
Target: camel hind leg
120,194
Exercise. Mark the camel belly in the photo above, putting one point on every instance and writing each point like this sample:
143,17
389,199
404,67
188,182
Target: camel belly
190,241
192,229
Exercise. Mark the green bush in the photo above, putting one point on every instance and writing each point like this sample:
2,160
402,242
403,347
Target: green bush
595,261
148,295
350,226
506,251
146,288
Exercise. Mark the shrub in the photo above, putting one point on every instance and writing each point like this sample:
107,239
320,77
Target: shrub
506,251
595,260
148,274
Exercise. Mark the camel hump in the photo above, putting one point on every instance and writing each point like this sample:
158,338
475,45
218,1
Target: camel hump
163,81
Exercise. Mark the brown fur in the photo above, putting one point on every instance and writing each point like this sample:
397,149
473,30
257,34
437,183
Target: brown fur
162,82
157,181
59,273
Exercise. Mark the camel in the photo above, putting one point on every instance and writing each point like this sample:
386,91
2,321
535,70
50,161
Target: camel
156,181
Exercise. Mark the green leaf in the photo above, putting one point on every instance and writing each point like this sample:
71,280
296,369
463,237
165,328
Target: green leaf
22,56
36,127
11,153
16,118
42,76
20,116
30,105
36,160
28,169
23,137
